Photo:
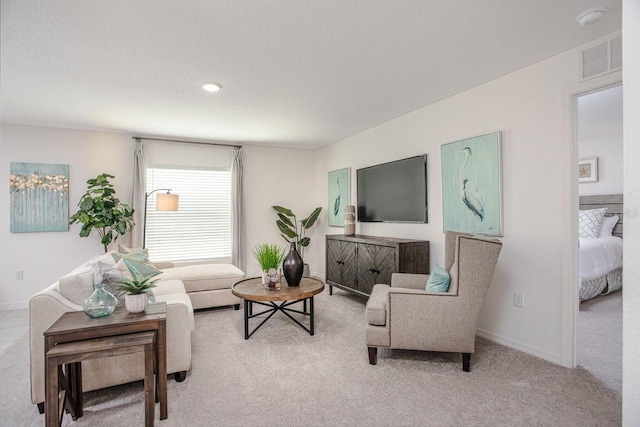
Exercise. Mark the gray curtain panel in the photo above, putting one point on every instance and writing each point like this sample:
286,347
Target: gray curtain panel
138,194
237,211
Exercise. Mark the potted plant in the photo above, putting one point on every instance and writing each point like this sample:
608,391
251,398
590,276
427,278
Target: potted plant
293,231
269,257
101,210
136,298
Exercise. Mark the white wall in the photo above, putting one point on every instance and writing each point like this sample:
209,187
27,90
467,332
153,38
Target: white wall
46,256
631,300
527,106
272,176
610,168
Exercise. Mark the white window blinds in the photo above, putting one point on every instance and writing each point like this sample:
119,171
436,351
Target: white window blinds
201,227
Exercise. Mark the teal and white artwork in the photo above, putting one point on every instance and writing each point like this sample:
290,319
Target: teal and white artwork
39,197
472,185
338,196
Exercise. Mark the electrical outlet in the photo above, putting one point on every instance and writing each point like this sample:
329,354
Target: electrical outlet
518,300
17,275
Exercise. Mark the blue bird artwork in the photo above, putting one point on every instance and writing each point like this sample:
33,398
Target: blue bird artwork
471,197
336,204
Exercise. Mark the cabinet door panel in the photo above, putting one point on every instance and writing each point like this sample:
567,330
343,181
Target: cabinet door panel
385,264
341,262
333,260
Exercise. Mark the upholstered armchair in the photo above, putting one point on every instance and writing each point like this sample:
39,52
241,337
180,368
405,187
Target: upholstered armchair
406,316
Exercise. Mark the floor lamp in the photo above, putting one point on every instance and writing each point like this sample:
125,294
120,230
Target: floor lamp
164,202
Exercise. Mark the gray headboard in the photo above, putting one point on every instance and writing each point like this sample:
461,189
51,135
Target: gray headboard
613,202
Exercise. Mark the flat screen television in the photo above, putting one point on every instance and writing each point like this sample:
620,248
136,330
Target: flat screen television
394,191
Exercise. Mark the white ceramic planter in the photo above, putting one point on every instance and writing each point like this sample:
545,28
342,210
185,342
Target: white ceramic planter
136,303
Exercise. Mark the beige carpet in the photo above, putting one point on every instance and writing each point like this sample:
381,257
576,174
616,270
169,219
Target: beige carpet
283,377
599,339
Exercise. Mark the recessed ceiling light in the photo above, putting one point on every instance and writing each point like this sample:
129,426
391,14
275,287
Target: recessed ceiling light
590,16
211,86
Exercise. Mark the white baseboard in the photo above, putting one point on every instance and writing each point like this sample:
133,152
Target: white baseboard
14,305
526,348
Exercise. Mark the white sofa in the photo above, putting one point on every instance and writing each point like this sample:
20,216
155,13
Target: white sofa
68,293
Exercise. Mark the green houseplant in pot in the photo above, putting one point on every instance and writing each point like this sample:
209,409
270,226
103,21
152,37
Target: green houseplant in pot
136,298
293,231
101,210
269,257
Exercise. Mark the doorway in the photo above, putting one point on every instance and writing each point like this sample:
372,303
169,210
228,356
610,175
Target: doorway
598,136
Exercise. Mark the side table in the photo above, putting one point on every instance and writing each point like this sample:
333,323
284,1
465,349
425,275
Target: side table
77,326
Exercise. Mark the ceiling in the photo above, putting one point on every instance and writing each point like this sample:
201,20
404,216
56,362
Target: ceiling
294,73
600,114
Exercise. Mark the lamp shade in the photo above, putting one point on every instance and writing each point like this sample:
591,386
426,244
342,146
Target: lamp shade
167,202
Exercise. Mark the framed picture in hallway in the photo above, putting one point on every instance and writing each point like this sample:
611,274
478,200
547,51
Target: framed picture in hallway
39,197
588,170
472,185
339,187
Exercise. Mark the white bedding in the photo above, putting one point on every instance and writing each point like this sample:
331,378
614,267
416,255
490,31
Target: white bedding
597,257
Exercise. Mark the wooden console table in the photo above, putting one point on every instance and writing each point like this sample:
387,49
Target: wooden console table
77,326
356,263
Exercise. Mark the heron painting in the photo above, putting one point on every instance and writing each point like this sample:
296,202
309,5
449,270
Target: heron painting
472,185
338,187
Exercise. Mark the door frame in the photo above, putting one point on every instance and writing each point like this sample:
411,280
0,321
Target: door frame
570,297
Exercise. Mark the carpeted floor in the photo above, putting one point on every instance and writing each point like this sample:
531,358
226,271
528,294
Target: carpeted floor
599,341
282,376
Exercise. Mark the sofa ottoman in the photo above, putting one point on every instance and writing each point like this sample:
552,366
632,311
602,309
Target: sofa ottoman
208,285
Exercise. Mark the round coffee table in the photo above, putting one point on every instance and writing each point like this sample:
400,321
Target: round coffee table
252,291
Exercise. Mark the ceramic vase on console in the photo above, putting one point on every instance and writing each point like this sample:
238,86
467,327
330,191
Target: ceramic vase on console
349,220
100,303
292,266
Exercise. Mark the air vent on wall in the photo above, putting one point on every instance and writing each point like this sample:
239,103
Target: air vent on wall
601,58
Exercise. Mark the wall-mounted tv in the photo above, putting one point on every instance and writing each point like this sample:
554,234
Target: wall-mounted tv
394,191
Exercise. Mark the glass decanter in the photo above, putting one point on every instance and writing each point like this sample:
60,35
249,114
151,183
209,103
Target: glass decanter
100,303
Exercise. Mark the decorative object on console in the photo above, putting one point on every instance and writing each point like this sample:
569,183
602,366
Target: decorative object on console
472,185
100,303
292,267
269,257
39,197
588,170
136,299
165,202
293,232
349,220
339,191
101,210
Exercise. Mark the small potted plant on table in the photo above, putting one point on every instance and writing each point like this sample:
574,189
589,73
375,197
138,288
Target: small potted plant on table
136,298
269,257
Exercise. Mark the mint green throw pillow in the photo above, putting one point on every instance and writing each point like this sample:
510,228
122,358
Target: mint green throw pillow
137,263
438,280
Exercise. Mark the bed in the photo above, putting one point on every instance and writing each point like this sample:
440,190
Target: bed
600,258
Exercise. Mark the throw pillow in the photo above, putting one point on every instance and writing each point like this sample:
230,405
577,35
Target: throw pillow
139,261
589,222
608,223
77,285
438,280
126,250
110,275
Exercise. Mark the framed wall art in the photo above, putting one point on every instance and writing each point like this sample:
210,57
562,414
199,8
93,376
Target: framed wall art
339,187
472,185
588,170
39,197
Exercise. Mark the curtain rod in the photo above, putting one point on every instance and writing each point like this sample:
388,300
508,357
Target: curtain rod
139,138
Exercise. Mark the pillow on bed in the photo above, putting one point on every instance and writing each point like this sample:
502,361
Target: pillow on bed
608,223
589,222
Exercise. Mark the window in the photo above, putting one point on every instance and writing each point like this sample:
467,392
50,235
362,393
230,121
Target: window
201,228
